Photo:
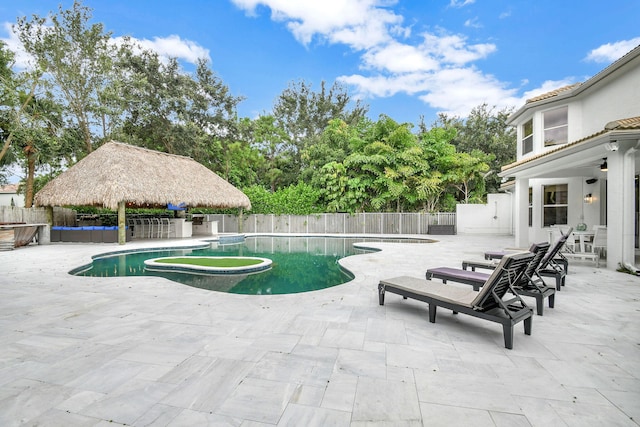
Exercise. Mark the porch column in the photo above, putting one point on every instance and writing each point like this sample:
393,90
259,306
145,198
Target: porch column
615,209
629,211
521,213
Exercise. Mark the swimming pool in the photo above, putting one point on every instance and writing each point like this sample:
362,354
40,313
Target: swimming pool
299,264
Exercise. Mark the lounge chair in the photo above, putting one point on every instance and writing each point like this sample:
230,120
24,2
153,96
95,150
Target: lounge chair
530,284
558,257
488,304
554,264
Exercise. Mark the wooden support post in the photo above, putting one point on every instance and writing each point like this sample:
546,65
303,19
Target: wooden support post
49,210
122,232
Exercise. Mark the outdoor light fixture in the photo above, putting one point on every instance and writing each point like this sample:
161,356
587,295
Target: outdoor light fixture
612,146
588,198
603,166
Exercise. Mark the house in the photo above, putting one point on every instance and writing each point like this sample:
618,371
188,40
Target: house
578,160
9,196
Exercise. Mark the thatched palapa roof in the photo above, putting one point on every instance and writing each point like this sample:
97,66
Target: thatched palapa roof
118,172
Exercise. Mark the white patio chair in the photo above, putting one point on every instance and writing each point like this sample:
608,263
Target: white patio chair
596,249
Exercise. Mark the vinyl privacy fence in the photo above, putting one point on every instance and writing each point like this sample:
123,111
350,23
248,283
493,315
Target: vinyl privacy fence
330,223
337,223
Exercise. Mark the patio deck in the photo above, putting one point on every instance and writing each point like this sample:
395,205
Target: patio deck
79,351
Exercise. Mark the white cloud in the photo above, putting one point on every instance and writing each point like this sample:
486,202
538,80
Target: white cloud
22,59
454,91
612,51
173,46
547,86
435,67
385,86
433,53
358,23
453,49
399,58
461,3
473,23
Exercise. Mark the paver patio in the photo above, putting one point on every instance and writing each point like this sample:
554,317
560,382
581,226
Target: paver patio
81,351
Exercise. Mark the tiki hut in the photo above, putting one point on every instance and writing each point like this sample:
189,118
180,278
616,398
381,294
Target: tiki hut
118,175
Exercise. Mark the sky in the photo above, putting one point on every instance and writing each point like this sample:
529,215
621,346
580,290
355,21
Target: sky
406,59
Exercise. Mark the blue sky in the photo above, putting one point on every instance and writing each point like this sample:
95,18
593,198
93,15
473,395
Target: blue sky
405,59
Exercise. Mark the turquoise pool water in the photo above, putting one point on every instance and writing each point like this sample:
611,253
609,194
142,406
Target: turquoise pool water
300,264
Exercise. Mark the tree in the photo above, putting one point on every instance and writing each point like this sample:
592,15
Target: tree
386,167
13,102
334,144
37,139
168,110
304,114
8,100
466,173
76,59
271,141
438,151
486,130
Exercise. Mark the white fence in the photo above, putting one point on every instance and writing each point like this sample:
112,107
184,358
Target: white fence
335,223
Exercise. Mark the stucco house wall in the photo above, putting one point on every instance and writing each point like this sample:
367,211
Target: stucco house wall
8,193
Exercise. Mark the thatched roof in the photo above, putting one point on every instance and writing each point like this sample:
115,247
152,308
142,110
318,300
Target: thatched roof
118,172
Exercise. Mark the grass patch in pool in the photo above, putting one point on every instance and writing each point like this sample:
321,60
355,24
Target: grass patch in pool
209,264
211,261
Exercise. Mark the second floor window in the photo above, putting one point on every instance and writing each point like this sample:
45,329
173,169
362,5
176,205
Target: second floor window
527,137
556,126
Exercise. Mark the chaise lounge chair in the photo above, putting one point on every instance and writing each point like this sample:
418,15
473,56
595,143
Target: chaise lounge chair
557,258
554,264
488,304
530,283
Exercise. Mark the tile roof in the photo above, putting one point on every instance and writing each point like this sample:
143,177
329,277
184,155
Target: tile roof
552,93
10,188
630,123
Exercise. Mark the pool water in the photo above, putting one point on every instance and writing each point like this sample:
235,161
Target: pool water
300,264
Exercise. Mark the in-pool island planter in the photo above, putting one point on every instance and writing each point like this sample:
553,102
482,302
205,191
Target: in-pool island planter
209,264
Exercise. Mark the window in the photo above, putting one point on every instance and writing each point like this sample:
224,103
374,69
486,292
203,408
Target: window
527,137
530,207
556,128
555,204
